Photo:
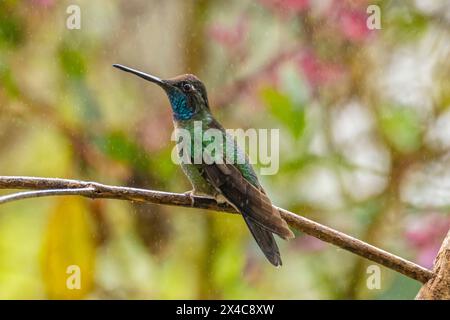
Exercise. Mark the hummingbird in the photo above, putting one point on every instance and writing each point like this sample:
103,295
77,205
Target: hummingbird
235,183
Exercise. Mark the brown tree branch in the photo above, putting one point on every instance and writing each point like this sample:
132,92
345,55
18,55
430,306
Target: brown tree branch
438,287
46,193
98,190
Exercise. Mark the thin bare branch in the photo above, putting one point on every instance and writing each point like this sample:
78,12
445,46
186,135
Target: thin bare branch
324,233
45,193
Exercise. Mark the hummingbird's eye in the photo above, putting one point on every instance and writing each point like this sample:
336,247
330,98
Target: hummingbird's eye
187,87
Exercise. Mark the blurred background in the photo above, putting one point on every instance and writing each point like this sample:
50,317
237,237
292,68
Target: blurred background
364,123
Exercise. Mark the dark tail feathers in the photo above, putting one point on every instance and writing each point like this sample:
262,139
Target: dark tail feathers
265,241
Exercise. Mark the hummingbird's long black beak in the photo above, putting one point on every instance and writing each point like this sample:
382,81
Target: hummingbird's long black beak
143,75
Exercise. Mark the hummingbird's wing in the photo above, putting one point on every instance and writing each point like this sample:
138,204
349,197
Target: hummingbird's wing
260,216
249,200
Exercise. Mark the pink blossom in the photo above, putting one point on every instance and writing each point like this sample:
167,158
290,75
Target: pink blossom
230,37
426,255
353,25
308,244
350,19
294,6
425,234
43,3
318,72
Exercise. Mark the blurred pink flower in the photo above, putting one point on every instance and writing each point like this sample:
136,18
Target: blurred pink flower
425,234
308,244
353,25
232,38
43,3
427,255
350,19
319,72
294,6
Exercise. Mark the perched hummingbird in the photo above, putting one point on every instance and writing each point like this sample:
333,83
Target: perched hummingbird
235,183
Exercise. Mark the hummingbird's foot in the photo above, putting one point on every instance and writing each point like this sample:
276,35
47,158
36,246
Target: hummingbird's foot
220,199
191,194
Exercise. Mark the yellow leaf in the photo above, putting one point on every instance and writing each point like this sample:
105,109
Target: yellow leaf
68,252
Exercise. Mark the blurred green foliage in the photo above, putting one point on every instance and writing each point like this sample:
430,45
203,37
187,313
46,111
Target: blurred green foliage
282,107
402,128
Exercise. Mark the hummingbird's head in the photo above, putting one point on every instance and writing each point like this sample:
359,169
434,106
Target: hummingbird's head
187,94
